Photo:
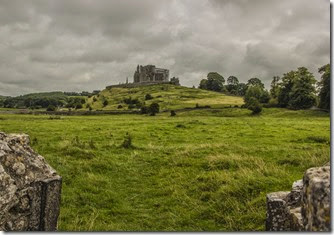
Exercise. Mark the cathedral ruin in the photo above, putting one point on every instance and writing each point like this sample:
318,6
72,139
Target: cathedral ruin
150,74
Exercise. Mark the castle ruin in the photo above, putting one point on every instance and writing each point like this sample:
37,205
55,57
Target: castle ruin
150,74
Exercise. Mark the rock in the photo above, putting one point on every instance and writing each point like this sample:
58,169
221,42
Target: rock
316,199
296,220
294,197
277,211
30,189
305,208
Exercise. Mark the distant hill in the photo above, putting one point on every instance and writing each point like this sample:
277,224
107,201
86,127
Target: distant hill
168,96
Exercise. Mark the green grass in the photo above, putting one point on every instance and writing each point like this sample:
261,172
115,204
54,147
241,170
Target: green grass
168,96
203,170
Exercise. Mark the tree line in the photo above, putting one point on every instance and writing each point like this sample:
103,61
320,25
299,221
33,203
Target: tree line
297,89
50,100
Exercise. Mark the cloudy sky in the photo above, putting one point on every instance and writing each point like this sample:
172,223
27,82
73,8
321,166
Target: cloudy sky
75,45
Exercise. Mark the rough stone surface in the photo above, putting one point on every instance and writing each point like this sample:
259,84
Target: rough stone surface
305,208
277,211
29,188
316,199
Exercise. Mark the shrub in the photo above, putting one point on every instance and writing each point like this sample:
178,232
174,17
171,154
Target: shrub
172,113
94,99
127,143
254,105
131,106
105,103
148,97
119,106
78,106
273,102
154,109
51,108
89,107
144,110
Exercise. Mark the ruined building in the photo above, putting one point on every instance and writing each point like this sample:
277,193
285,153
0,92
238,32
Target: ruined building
150,74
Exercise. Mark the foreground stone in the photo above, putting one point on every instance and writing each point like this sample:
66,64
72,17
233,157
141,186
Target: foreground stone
29,188
305,208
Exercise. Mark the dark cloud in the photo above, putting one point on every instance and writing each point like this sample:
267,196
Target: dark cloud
87,44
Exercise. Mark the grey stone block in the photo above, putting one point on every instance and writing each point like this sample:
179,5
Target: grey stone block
316,199
30,189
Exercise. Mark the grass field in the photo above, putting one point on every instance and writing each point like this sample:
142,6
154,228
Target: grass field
202,170
168,96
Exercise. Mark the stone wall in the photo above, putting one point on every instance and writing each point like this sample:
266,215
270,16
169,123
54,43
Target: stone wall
133,85
29,188
305,208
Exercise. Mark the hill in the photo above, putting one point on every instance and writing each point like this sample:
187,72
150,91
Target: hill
167,95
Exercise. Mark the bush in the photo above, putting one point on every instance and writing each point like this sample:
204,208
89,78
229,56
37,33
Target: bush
144,110
78,106
105,103
89,107
119,106
154,109
272,103
51,108
172,113
148,97
254,105
131,106
127,143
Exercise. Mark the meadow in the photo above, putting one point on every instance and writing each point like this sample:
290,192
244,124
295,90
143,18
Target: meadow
166,95
202,170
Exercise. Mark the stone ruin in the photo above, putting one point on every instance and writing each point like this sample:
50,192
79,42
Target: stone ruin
305,208
150,74
29,188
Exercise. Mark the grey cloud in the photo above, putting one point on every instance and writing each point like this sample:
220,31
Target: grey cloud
87,44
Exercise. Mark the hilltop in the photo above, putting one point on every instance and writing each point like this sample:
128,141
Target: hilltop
167,95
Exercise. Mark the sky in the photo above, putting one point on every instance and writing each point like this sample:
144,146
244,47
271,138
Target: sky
84,45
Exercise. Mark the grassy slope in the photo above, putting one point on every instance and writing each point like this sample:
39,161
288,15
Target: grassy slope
168,97
201,170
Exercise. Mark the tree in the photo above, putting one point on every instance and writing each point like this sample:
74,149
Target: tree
241,89
215,81
232,85
302,94
203,84
324,87
154,109
254,105
253,92
285,86
274,86
255,82
265,97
